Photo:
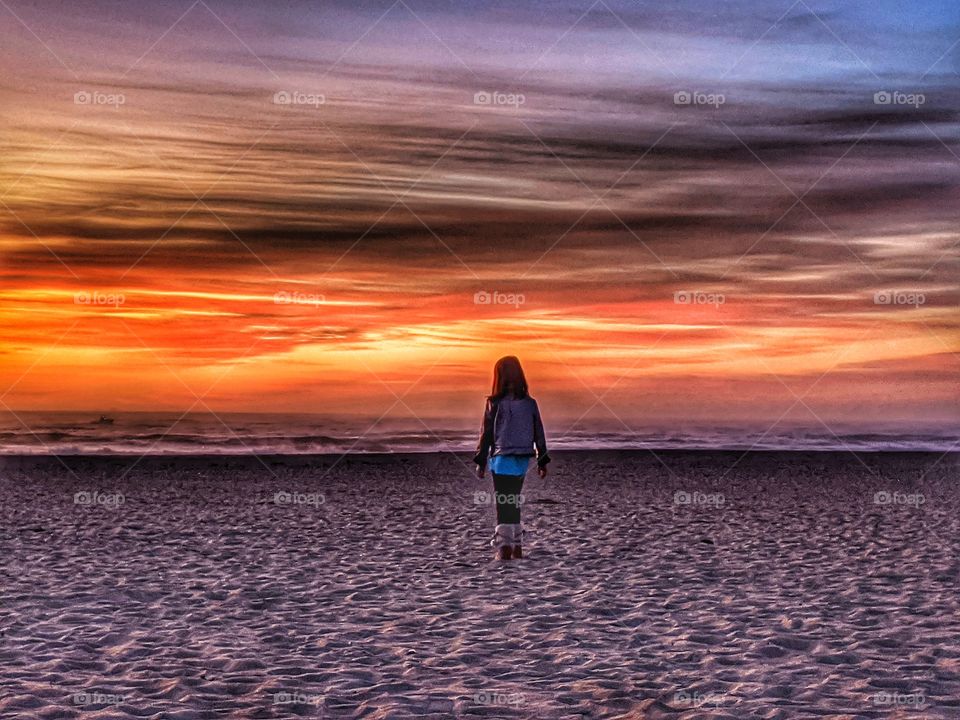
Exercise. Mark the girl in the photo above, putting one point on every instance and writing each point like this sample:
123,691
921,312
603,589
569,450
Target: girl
512,429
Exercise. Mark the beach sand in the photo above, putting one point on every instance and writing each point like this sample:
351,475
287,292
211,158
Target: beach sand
653,587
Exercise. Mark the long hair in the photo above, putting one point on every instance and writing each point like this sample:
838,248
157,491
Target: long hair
508,378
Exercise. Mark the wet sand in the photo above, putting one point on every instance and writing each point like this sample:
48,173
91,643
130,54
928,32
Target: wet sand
794,585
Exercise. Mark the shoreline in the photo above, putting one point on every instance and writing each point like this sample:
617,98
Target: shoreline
463,460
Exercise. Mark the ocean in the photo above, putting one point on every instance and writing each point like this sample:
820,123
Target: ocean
141,433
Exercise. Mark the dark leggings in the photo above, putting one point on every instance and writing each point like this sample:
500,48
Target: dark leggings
507,489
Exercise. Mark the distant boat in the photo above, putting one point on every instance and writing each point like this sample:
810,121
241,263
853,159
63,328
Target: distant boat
104,420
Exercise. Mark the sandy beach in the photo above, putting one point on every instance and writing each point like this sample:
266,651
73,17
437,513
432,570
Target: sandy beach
794,585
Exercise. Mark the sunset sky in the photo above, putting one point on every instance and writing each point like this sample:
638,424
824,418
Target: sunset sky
173,235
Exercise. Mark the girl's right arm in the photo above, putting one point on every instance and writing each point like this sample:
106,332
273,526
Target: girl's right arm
486,439
540,440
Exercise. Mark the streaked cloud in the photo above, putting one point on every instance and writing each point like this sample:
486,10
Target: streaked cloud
315,245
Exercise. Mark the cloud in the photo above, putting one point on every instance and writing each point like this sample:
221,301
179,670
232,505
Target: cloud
598,197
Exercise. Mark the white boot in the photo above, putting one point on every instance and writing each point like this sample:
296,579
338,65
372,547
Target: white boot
503,541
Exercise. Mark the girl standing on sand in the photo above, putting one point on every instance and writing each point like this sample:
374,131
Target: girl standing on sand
513,430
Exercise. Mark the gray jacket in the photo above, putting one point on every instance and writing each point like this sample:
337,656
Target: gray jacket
511,427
